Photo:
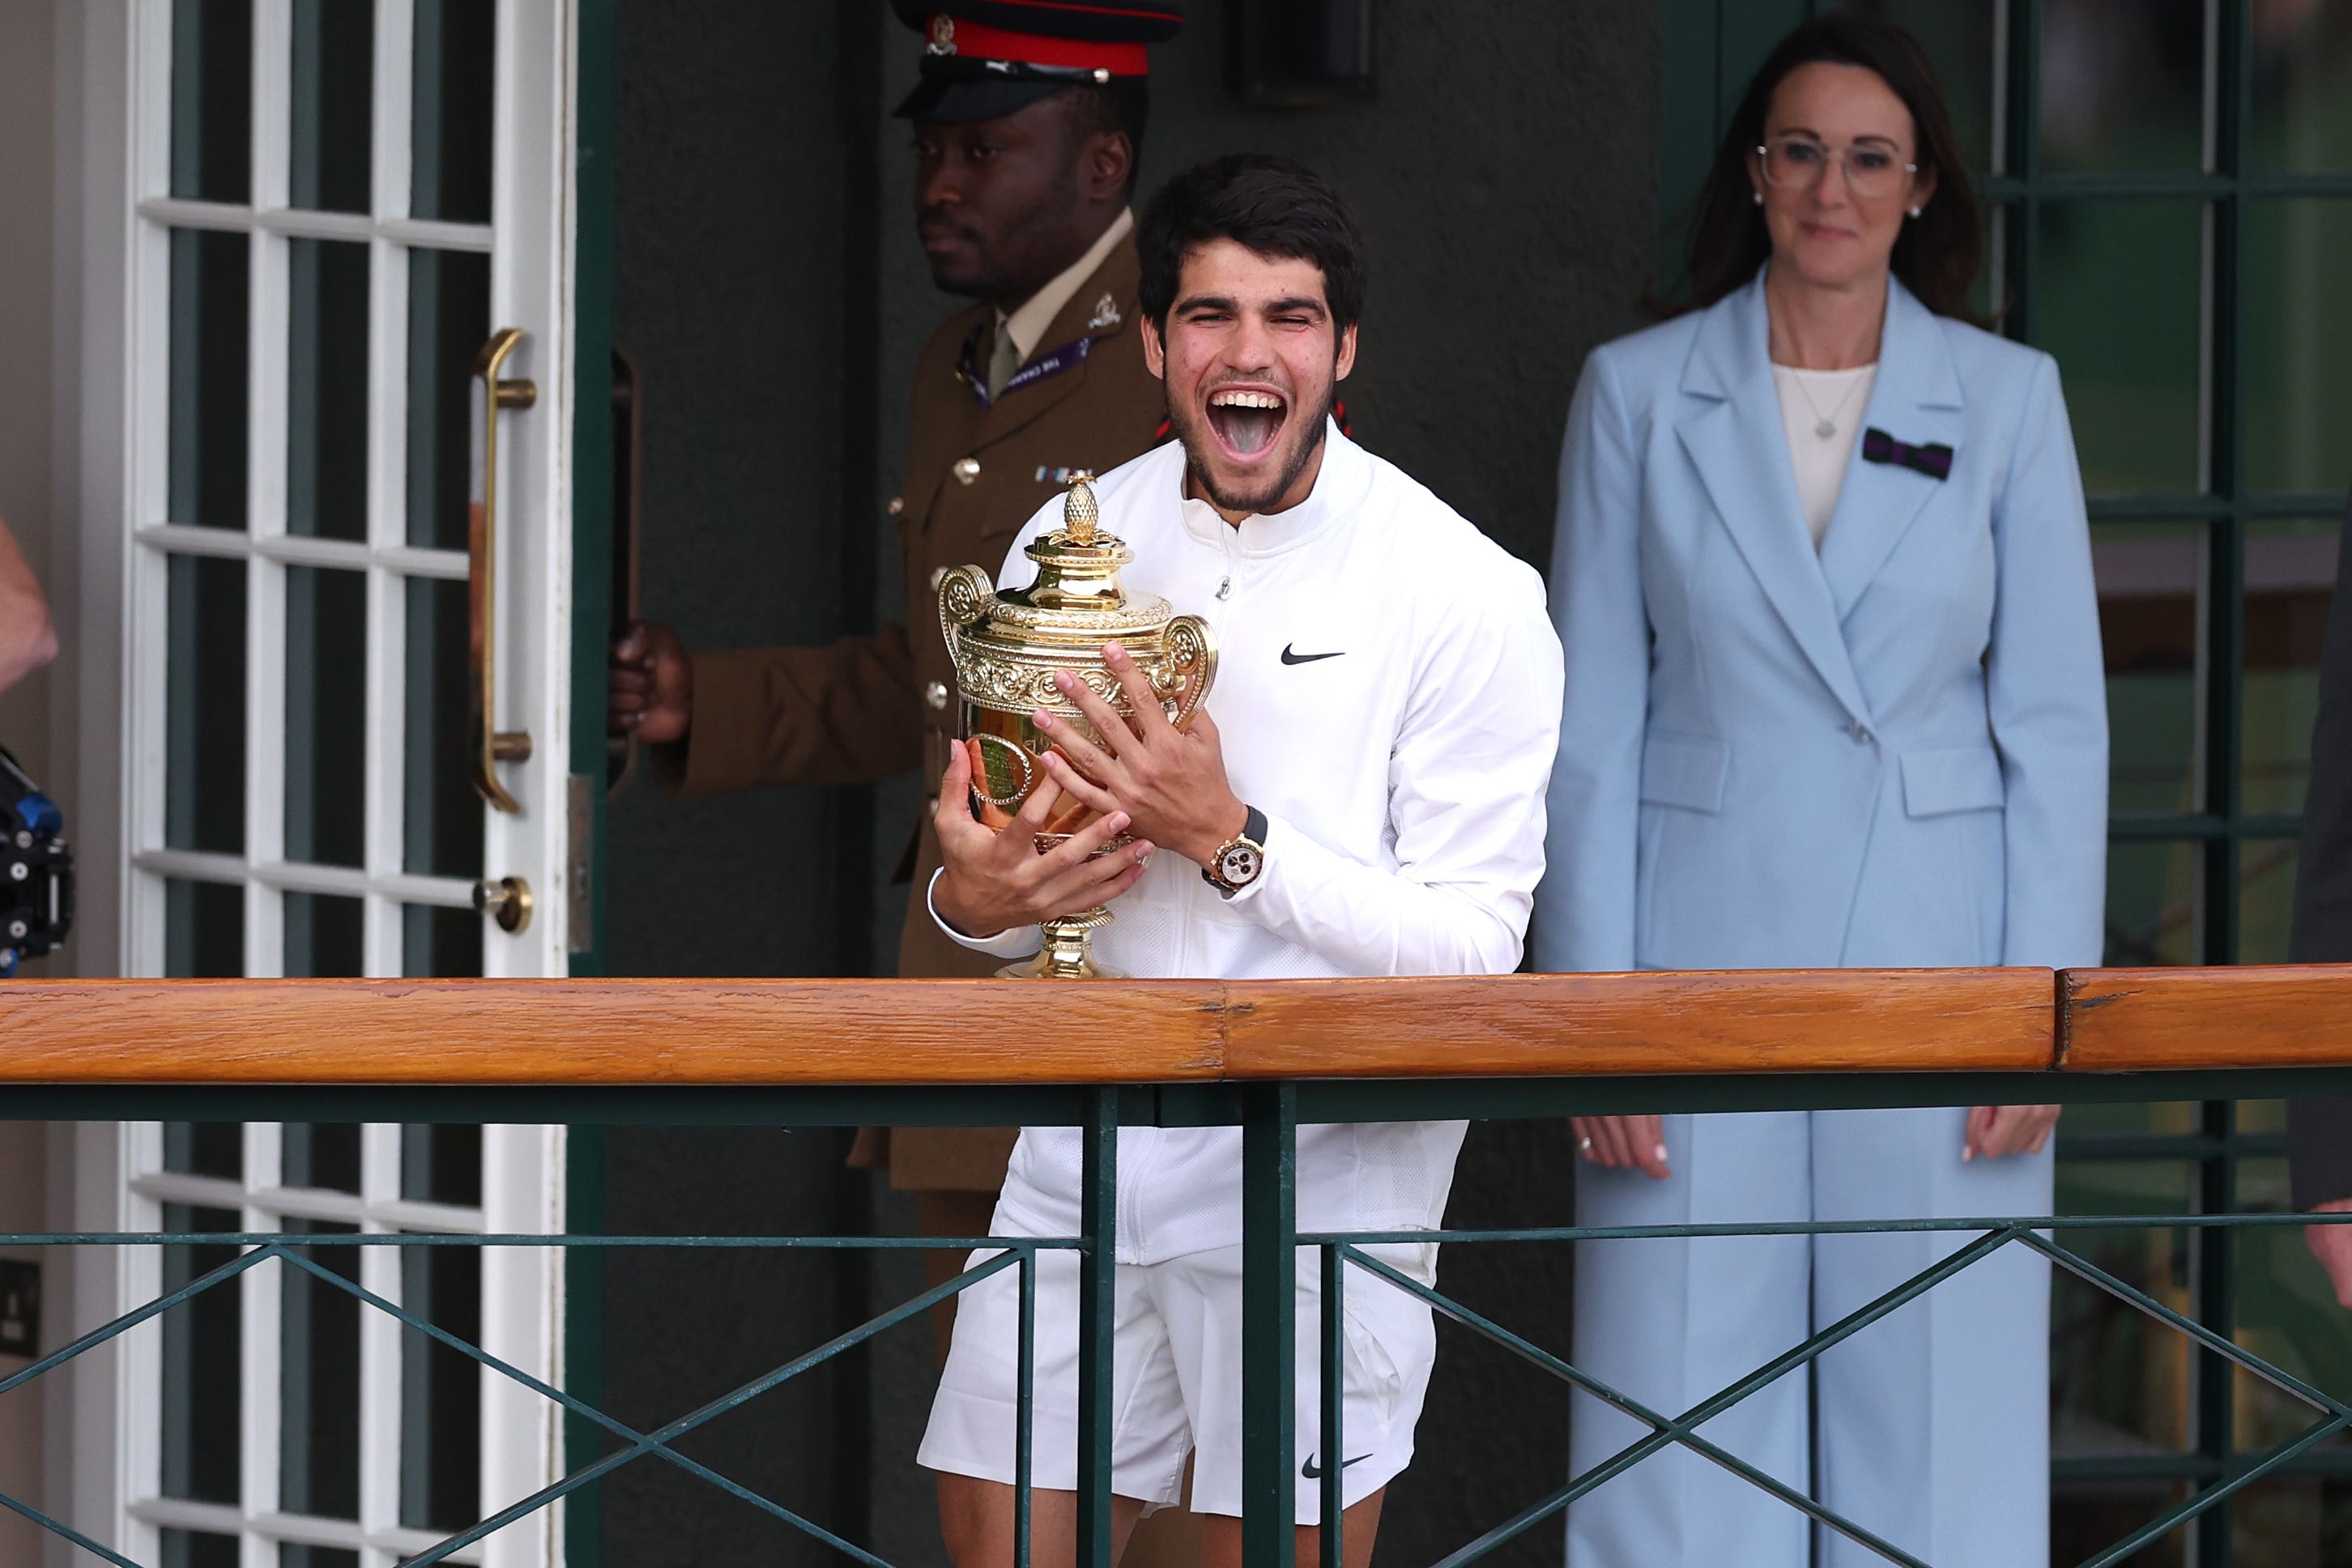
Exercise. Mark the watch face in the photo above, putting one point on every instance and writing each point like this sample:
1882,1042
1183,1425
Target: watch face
1239,864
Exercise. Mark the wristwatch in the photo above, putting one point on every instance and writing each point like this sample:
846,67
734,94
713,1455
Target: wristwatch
1241,860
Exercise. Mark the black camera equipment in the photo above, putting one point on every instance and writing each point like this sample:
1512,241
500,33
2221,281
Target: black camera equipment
37,880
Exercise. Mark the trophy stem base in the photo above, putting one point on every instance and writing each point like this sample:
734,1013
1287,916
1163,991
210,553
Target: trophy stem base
1066,951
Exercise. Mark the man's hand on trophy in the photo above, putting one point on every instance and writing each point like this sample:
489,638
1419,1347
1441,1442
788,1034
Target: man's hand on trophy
996,879
649,685
1170,783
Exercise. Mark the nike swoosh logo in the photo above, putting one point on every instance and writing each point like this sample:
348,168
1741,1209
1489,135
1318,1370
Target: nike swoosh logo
1290,658
1311,1470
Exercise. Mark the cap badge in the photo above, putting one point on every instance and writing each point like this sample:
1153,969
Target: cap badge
942,36
1106,314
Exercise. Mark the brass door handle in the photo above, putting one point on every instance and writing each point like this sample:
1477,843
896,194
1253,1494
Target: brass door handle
490,744
506,900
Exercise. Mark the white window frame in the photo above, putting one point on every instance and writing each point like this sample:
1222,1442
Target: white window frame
114,154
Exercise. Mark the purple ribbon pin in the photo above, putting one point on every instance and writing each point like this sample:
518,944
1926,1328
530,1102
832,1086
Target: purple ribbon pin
1934,460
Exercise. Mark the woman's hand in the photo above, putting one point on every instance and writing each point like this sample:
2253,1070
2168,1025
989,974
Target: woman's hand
1624,1142
1996,1130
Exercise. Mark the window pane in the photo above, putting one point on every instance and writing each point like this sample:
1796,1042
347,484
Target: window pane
2298,340
205,1149
2119,1380
2302,104
203,930
327,381
2290,578
319,1380
326,715
449,322
2128,1118
212,100
201,1364
333,91
2116,299
2086,1517
456,64
1958,36
2153,904
440,1389
204,780
2151,624
2265,899
210,308
436,941
443,830
2123,84
2287,1314
324,1154
292,1556
324,937
2293,1518
441,1164
187,1549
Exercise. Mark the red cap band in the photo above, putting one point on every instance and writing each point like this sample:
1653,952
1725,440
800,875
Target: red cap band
952,34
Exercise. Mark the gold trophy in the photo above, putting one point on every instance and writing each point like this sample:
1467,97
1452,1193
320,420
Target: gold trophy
1006,647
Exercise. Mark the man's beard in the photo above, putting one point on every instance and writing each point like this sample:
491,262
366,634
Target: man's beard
1194,439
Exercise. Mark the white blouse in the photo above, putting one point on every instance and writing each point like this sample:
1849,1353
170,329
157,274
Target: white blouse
1809,399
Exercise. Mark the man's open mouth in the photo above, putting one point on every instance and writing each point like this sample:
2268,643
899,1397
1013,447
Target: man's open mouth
1247,420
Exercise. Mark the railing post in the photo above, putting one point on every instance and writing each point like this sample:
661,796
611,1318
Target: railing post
1097,1299
1330,1439
1269,1308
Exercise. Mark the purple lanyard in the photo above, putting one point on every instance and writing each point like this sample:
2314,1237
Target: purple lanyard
1049,364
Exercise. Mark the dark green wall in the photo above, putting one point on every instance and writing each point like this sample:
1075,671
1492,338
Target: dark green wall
768,282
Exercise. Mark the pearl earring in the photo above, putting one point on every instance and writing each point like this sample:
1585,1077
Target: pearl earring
1758,196
1914,212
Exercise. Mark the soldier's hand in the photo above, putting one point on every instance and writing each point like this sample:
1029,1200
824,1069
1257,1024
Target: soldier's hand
995,880
650,685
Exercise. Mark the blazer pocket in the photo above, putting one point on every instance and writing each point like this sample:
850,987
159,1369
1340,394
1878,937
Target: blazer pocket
1686,771
1956,778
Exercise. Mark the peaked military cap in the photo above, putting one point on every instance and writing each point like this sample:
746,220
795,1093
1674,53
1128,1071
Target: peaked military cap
983,59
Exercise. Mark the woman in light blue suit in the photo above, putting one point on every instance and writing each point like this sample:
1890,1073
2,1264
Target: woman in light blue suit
1834,699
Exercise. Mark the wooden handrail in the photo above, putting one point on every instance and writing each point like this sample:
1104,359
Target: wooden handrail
956,1032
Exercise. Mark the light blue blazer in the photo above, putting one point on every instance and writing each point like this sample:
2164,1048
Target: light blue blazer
1893,752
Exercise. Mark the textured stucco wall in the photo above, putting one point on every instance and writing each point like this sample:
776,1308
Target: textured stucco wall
1505,177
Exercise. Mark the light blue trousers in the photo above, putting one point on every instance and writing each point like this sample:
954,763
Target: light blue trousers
1930,1427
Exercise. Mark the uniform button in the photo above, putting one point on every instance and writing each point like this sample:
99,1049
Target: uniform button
967,469
1858,733
935,694
898,504
938,576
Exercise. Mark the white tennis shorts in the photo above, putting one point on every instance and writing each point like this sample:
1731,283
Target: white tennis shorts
1176,1378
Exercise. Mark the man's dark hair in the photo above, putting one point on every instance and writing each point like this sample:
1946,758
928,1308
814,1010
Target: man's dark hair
1271,205
1121,106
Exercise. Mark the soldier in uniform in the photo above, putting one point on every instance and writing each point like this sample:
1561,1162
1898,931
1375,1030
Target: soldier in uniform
1028,120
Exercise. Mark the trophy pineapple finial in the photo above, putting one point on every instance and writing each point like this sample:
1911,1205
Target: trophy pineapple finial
1080,513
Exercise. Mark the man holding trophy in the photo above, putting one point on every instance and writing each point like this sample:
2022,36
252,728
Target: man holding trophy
1360,795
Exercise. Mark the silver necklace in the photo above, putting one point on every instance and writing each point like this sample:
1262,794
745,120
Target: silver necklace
1825,425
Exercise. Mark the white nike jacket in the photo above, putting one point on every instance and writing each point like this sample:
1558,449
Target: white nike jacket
1387,691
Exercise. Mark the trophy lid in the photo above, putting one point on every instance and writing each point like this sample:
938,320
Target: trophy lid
1076,597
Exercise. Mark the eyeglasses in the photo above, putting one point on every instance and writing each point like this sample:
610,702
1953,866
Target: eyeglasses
1796,162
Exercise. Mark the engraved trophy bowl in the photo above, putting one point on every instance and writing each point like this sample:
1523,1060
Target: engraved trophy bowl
1007,647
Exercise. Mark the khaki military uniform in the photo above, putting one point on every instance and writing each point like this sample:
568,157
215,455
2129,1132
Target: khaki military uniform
865,708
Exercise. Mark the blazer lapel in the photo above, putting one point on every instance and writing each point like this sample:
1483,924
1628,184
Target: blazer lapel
1117,279
1736,441
1916,400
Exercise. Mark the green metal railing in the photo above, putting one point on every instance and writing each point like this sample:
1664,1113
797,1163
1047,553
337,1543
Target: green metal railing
1268,1114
